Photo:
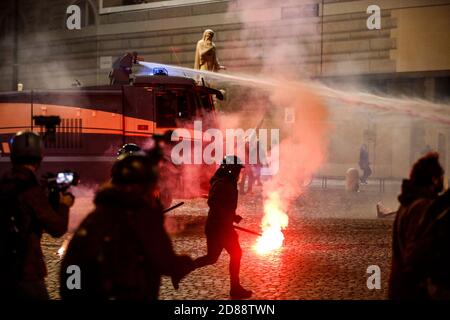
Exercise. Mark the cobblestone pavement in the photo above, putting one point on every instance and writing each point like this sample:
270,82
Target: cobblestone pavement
322,258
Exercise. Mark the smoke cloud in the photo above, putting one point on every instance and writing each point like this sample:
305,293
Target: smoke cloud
278,45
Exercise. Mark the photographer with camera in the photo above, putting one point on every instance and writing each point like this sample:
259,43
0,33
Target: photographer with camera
26,215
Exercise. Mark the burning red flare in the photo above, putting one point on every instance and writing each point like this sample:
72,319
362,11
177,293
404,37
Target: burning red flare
274,221
62,250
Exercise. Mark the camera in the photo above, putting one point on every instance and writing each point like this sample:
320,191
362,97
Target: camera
66,179
59,183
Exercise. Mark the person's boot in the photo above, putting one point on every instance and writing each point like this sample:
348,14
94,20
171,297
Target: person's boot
176,281
239,292
187,265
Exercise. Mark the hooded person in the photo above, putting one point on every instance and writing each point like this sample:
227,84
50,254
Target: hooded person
418,193
122,248
428,257
205,53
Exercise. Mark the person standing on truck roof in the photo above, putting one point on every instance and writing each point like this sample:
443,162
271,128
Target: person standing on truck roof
122,69
206,54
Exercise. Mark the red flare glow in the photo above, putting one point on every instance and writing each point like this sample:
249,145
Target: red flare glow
274,221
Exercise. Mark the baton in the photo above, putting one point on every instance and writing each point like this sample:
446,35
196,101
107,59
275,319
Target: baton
247,230
173,207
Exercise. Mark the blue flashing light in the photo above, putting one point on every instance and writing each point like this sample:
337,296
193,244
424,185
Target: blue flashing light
160,71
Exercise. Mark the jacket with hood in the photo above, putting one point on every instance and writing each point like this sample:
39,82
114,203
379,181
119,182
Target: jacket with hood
205,54
429,255
414,203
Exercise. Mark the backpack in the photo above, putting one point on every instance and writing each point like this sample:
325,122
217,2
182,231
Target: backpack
14,231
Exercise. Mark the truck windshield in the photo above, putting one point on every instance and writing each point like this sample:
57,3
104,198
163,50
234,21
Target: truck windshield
173,106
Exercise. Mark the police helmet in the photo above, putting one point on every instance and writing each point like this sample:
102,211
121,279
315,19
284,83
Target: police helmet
129,149
134,169
231,161
26,148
